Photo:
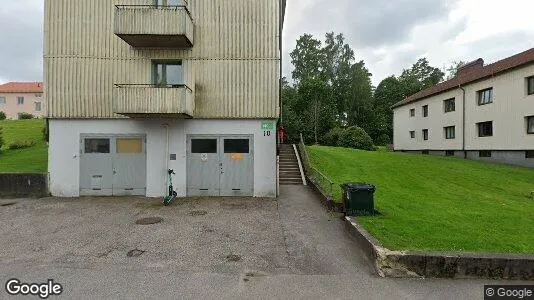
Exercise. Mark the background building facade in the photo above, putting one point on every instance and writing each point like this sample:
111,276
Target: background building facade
22,97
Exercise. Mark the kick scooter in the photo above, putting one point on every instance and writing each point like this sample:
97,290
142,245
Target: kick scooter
172,193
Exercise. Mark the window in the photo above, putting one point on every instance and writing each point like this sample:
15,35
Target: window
2,101
450,132
169,2
20,100
484,153
204,146
485,129
425,152
236,146
38,106
412,112
129,145
449,105
530,85
168,74
529,154
425,111
449,153
97,145
485,96
425,134
412,134
530,125
38,95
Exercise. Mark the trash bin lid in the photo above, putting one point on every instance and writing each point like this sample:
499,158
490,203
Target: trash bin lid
359,186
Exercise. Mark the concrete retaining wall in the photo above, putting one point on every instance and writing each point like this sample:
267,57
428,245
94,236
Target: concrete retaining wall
23,185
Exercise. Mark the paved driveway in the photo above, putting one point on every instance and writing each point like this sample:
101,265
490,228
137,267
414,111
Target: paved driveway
204,248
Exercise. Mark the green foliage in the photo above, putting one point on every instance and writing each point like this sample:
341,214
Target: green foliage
26,116
452,70
21,144
331,138
356,138
1,138
32,159
438,203
2,116
383,140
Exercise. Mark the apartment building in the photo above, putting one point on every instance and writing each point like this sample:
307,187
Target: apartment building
486,113
22,97
137,87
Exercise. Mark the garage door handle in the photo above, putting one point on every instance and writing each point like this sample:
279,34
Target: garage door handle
114,172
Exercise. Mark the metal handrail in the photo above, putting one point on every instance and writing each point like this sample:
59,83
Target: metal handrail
158,7
156,86
314,175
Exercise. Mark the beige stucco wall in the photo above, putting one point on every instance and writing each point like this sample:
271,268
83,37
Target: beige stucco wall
233,67
12,109
508,111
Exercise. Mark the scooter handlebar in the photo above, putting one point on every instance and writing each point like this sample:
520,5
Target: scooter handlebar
171,171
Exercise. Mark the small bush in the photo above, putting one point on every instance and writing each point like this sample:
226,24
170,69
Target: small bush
356,138
383,140
2,115
26,116
331,138
21,144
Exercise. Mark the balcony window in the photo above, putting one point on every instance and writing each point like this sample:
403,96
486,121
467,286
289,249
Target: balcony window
485,96
170,3
168,74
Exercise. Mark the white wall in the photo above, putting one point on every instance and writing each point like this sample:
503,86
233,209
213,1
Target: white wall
64,151
510,106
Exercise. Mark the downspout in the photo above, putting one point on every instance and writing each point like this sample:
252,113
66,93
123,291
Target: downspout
463,121
165,181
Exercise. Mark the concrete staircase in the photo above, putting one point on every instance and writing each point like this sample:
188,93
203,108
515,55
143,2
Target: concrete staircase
289,167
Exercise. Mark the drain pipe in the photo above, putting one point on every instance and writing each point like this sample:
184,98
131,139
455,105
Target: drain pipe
463,120
165,187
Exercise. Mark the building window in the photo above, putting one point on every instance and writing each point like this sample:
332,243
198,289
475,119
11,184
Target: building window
2,101
485,96
425,152
425,111
530,125
236,146
425,134
485,129
450,132
97,145
168,74
169,2
484,153
449,153
529,154
20,100
38,95
203,146
530,85
449,105
412,112
38,106
412,134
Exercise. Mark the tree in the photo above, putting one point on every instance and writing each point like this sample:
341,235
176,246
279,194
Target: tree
452,70
387,93
420,76
306,58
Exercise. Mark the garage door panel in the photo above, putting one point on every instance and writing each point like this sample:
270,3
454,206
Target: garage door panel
237,165
202,166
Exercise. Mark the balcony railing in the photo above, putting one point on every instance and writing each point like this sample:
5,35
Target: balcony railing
148,100
153,26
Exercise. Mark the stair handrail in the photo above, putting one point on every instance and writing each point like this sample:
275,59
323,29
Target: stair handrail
313,174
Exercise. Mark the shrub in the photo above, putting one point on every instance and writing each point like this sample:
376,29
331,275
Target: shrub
357,138
21,144
45,132
2,115
383,140
331,138
26,116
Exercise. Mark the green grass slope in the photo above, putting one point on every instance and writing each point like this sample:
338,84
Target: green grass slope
34,159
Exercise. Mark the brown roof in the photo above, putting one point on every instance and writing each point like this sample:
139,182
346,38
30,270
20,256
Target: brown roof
472,74
22,87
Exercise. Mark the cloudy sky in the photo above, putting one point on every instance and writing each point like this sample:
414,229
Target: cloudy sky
388,35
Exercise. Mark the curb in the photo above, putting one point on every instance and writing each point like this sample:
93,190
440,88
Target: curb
390,263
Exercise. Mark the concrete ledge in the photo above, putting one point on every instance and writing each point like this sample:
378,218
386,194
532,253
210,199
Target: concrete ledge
327,201
23,185
442,264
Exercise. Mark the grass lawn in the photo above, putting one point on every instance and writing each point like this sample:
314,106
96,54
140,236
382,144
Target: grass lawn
438,203
34,159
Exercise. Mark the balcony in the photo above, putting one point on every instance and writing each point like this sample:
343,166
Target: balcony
146,100
152,26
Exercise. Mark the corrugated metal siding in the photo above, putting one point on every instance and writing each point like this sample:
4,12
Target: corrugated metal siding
234,63
150,100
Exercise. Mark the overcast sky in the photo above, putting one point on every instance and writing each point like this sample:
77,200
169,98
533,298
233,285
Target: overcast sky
388,35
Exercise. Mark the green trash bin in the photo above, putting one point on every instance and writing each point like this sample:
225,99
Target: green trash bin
358,198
